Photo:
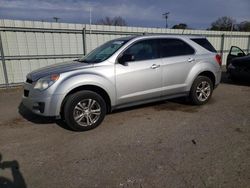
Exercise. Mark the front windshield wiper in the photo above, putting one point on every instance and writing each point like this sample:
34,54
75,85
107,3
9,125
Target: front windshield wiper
81,60
76,59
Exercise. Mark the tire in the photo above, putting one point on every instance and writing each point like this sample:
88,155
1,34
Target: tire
84,110
201,90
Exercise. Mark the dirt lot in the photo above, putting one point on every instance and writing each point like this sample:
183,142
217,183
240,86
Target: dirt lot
166,144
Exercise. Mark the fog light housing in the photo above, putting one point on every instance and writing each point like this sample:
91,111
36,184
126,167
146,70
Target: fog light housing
40,106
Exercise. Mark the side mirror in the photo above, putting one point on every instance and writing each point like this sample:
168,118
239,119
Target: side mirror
240,54
125,58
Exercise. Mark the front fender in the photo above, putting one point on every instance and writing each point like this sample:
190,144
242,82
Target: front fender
68,83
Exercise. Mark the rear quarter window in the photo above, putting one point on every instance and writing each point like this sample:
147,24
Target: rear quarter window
205,44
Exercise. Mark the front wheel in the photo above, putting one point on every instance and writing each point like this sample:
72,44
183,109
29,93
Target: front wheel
84,110
201,90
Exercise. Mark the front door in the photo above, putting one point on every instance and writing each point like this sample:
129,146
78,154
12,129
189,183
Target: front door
140,78
234,52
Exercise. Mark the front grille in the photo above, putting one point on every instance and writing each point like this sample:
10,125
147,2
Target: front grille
26,93
29,81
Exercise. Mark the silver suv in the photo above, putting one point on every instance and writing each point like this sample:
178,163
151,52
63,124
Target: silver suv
124,72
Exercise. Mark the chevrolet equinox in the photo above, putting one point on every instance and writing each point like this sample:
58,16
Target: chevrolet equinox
124,72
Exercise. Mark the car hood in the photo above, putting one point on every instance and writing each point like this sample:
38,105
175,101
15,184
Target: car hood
57,69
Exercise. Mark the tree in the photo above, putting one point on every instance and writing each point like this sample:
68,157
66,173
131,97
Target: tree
180,26
244,26
116,21
224,23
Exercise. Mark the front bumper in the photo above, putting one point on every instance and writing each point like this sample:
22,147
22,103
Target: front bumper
41,102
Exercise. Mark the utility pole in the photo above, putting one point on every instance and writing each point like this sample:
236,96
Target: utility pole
90,29
56,19
90,16
165,16
231,33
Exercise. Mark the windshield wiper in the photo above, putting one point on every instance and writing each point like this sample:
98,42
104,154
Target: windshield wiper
81,60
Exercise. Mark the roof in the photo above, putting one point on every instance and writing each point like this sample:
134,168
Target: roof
168,36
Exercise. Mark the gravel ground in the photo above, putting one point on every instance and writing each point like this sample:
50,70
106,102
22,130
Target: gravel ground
165,144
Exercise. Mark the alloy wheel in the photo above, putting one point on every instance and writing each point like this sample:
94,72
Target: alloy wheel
87,112
203,91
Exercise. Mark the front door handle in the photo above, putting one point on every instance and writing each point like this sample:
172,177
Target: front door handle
191,59
155,66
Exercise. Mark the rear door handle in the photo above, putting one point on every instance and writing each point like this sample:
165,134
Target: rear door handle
155,66
191,59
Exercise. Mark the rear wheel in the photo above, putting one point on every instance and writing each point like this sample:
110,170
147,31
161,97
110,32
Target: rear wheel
84,110
201,90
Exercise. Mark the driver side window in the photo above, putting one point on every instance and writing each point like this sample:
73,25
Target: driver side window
143,50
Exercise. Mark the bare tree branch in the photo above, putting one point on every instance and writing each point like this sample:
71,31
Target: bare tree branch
116,21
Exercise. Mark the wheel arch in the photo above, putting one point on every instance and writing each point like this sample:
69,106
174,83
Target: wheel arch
97,89
201,69
208,74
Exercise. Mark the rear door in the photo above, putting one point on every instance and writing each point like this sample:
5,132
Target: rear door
233,53
178,58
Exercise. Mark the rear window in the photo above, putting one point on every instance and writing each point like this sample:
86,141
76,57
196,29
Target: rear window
205,44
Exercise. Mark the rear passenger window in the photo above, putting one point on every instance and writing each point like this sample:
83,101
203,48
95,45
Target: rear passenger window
205,44
174,47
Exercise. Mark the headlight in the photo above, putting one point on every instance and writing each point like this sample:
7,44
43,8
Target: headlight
46,82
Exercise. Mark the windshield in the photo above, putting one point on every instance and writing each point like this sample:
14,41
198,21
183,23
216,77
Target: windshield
103,52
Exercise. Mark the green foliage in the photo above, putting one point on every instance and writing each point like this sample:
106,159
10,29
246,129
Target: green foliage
180,26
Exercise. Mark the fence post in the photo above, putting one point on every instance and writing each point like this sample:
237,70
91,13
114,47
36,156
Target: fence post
3,63
84,41
222,45
248,48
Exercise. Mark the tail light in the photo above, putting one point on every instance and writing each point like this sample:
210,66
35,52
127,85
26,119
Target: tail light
218,59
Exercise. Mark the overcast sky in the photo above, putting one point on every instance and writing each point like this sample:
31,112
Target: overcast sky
196,13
